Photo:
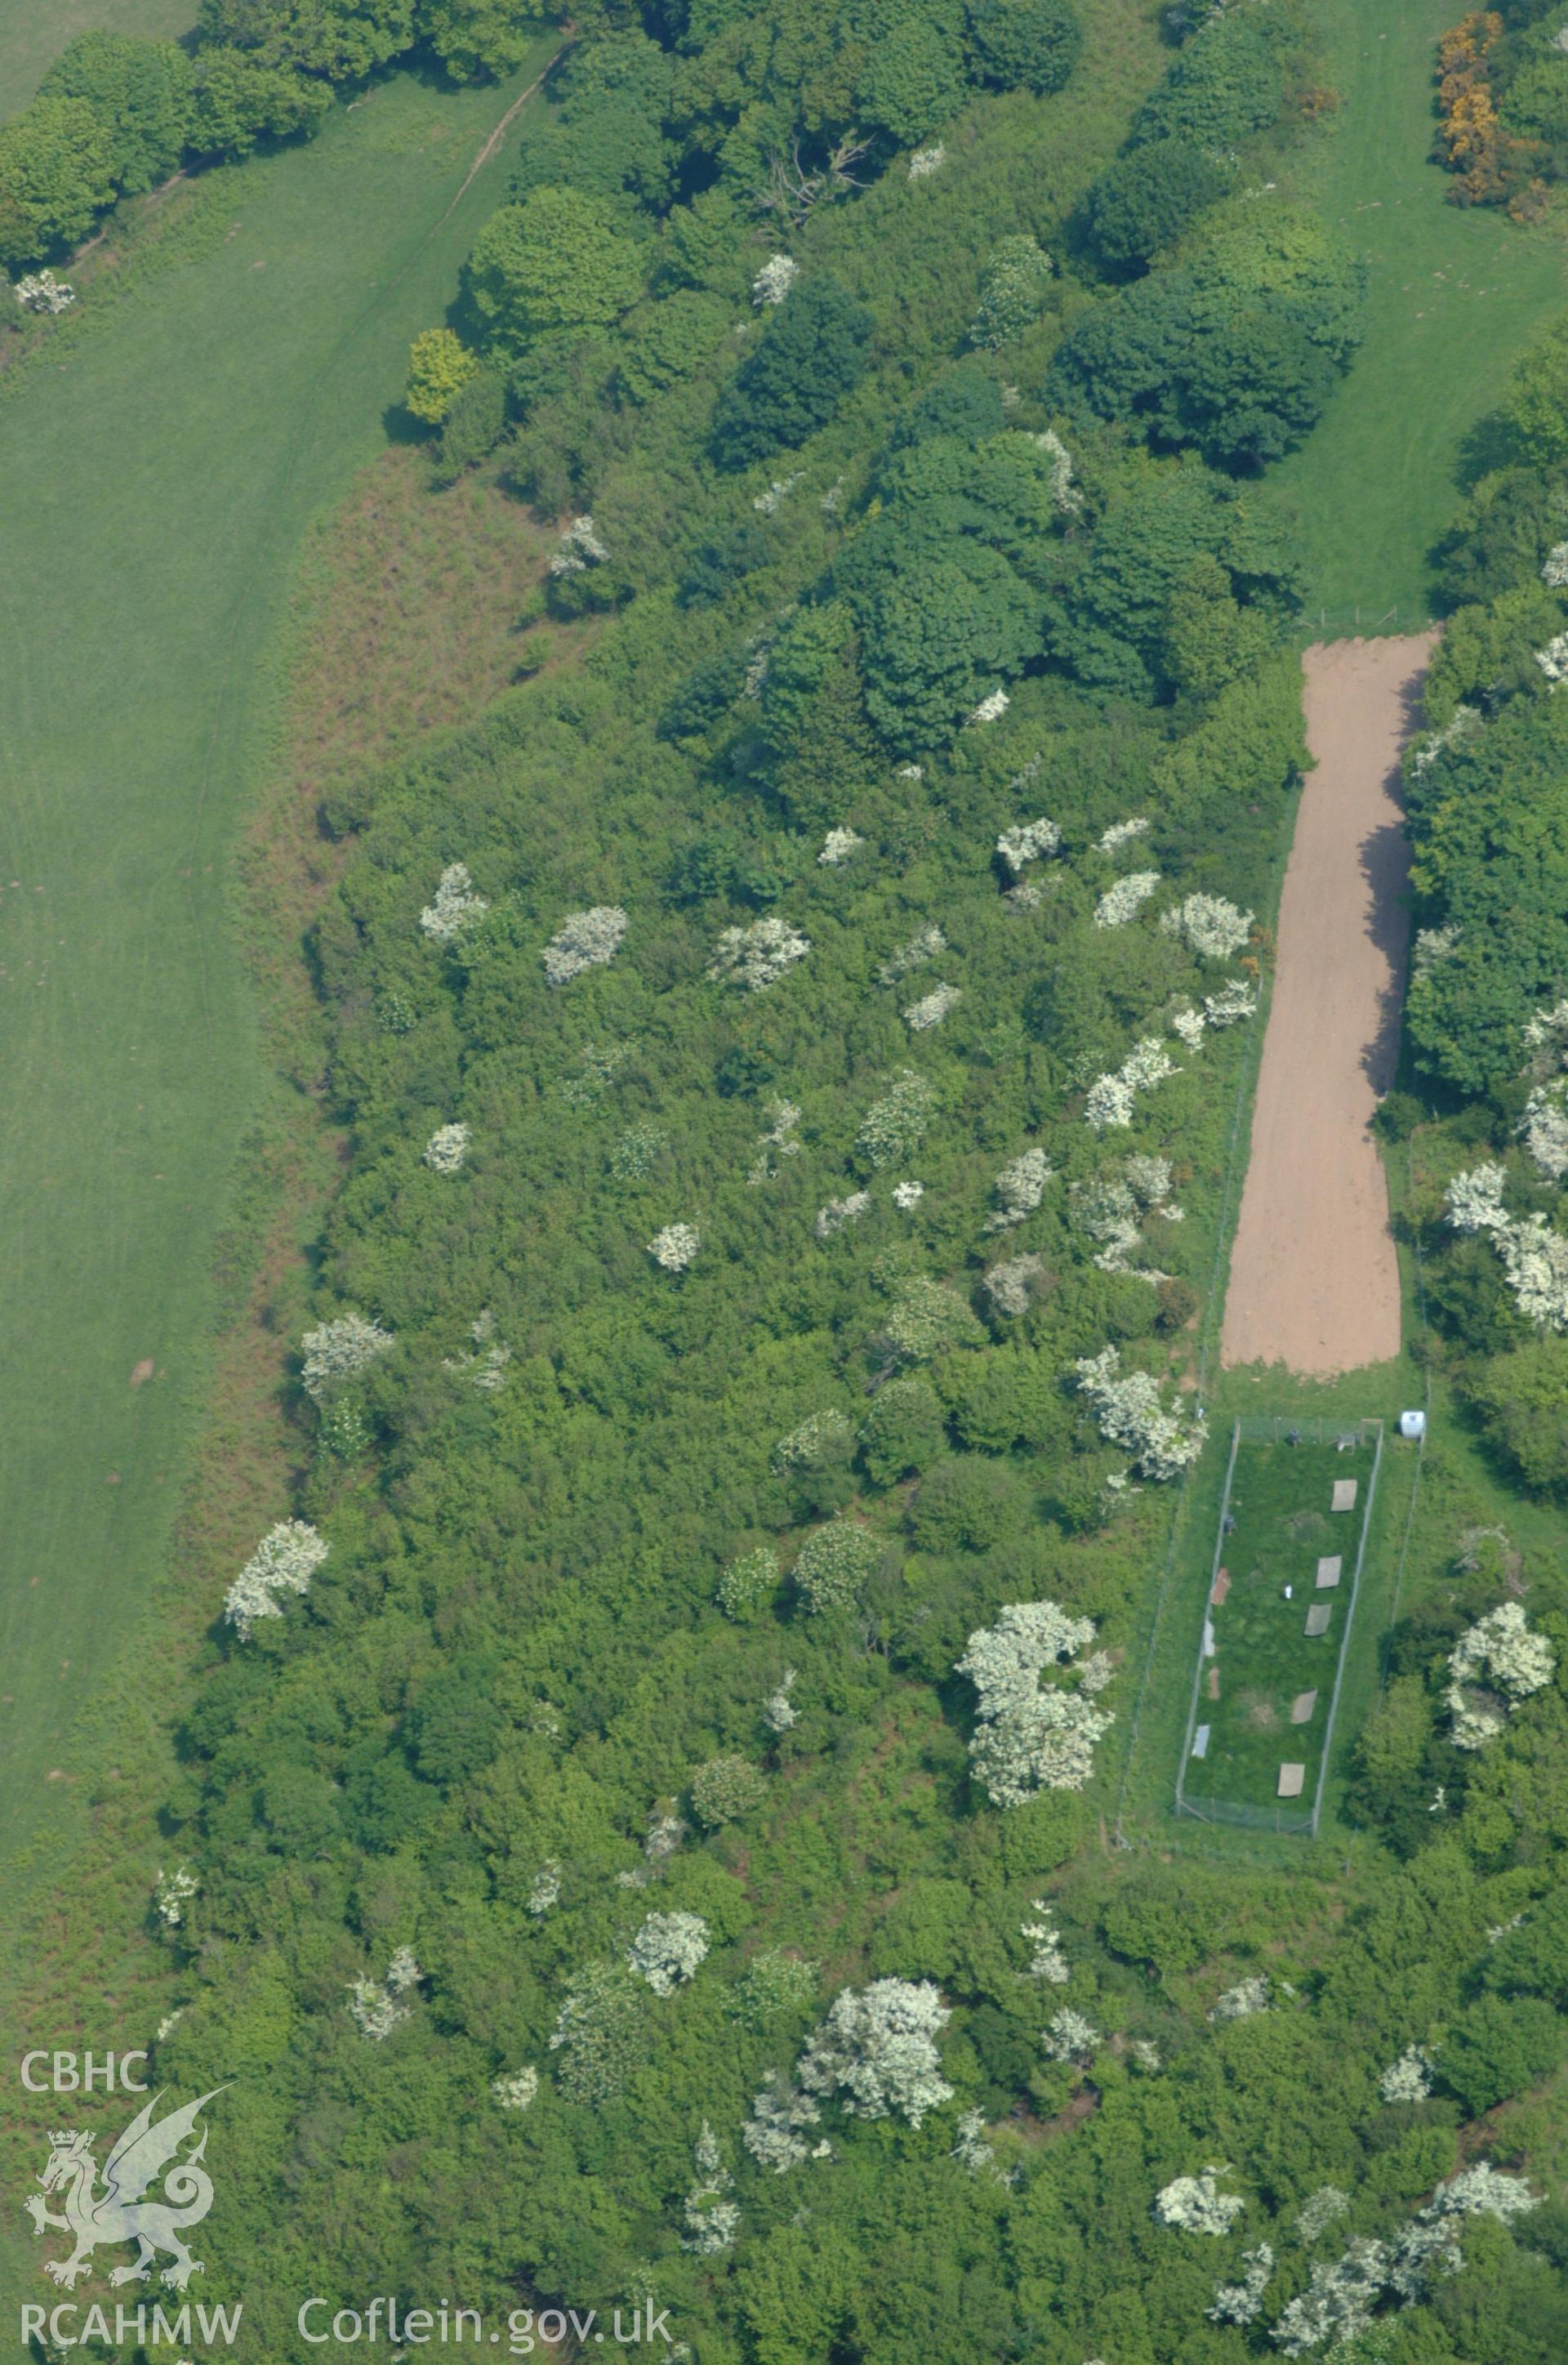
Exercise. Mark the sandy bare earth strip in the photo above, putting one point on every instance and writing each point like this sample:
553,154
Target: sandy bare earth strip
1314,1281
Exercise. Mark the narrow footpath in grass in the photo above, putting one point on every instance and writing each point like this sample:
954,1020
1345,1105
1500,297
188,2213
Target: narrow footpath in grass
1454,296
160,473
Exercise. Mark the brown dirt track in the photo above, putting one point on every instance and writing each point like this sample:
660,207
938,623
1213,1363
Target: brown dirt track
1313,1280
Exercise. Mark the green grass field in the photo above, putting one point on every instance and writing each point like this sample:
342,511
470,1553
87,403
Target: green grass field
160,473
33,33
1279,1502
1454,296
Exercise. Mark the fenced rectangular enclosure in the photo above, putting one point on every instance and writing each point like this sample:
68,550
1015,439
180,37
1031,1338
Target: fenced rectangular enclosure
1277,1620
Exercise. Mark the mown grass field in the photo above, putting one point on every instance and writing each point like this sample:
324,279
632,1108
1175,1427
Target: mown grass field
159,473
33,33
1453,297
1278,1502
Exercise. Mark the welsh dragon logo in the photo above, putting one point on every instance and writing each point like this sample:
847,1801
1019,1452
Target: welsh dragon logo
119,2213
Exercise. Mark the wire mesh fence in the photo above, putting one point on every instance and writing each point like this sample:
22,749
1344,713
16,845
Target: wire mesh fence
1264,1429
1296,1822
1365,616
1277,1430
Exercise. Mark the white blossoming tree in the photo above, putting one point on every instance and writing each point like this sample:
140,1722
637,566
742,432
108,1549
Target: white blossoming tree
1046,1960
932,1008
1070,2039
774,281
1474,1200
1319,2211
876,2053
1543,1128
283,1562
834,1565
971,2150
1194,2204
1339,2303
663,1836
583,940
668,1950
758,955
1111,1099
40,291
779,1713
1208,925
1239,2302
1031,1735
923,945
1028,841
1553,660
1236,1000
675,1246
712,2219
1436,743
838,846
171,1892
1010,1285
822,1437
1123,901
1499,1662
749,1582
776,2134
1122,833
341,1349
455,905
1163,1440
516,2090
579,548
1066,499
1243,2002
544,1891
838,1213
376,2006
1020,1187
1408,2079
895,1126
447,1149
485,1367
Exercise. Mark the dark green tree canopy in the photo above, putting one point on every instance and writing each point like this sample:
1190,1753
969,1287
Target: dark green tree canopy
1148,197
811,355
141,93
1235,352
1490,833
1025,44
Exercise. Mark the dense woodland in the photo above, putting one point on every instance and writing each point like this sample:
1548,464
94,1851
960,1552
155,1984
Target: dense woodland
642,1823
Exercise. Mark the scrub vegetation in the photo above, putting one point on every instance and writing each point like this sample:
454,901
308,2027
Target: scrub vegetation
656,1805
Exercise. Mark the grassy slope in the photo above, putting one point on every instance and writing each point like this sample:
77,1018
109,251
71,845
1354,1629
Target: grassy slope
157,484
1454,298
33,33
